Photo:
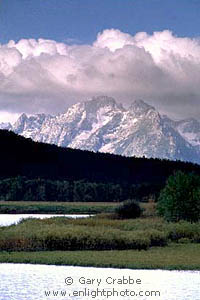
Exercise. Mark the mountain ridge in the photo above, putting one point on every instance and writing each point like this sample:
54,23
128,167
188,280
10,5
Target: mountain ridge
103,125
20,156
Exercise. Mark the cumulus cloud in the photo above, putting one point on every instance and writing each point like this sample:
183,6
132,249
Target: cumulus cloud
46,76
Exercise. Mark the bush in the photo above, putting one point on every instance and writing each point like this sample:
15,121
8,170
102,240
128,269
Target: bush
157,237
184,230
130,209
32,236
180,198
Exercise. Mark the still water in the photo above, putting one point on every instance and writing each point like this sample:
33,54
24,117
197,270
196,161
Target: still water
6,219
40,282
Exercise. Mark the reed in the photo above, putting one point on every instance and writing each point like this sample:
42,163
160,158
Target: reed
95,233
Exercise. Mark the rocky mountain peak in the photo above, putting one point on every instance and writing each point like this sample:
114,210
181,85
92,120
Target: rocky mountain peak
101,124
19,125
139,107
100,102
6,125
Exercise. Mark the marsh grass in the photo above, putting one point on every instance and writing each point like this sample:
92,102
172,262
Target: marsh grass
34,236
95,233
123,243
24,207
172,257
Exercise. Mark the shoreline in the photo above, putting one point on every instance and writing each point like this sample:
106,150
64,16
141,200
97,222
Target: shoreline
103,267
147,242
171,258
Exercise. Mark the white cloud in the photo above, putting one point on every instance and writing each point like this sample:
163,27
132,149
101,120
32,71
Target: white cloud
113,39
46,76
6,117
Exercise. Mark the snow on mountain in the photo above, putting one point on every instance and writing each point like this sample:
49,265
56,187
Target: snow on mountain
190,130
101,124
7,126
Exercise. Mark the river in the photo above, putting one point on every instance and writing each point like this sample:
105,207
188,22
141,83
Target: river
41,282
9,219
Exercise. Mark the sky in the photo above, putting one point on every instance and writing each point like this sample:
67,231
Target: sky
54,53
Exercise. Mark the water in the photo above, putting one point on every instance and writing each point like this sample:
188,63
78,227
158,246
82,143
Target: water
39,282
6,219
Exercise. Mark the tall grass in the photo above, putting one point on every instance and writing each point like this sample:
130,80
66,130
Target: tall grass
15,207
95,233
175,256
30,236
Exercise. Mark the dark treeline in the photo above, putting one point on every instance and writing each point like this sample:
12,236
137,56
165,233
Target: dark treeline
23,189
23,157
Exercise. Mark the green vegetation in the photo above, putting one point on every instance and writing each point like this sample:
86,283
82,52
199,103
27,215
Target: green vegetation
173,257
148,243
21,188
67,234
24,207
66,177
180,198
43,172
130,209
39,161
96,233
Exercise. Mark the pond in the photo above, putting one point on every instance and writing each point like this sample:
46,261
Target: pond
6,219
40,282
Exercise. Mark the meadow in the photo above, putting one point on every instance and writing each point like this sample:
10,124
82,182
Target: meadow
103,240
173,257
38,207
95,233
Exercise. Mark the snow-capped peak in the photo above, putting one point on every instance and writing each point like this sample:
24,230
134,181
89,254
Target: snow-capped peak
5,125
139,107
100,102
101,124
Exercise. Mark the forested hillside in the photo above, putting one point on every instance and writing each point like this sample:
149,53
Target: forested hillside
23,157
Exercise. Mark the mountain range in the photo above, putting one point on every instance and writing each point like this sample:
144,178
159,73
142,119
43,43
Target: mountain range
103,125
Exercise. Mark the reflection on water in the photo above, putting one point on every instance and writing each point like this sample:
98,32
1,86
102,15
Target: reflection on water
6,219
40,282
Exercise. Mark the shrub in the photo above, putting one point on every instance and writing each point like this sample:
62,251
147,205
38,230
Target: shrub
184,230
130,209
180,198
31,236
157,237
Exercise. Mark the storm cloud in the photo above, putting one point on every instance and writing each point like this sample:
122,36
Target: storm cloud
46,76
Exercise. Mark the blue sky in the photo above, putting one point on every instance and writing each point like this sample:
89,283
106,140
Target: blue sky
126,49
81,20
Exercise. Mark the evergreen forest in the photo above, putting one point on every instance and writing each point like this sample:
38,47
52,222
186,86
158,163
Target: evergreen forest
33,171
